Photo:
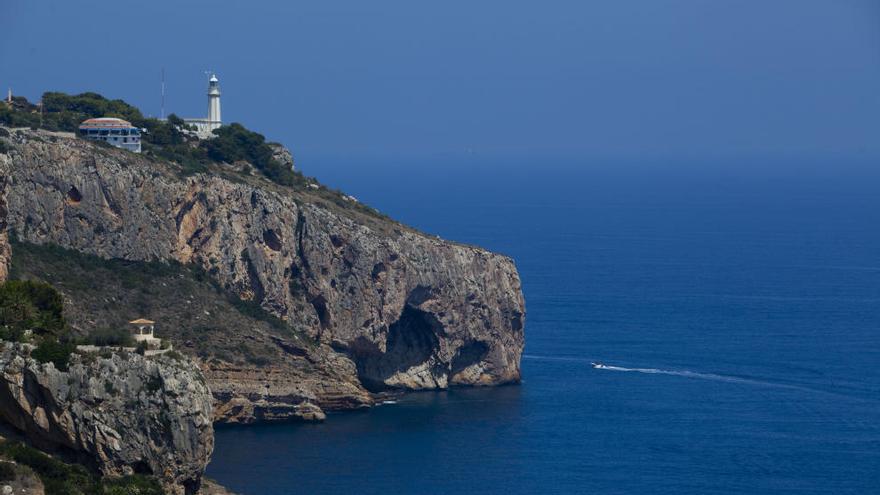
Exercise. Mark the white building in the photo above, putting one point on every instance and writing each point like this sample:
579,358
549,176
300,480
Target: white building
143,332
118,132
205,126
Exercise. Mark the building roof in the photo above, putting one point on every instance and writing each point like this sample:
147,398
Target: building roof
141,321
106,123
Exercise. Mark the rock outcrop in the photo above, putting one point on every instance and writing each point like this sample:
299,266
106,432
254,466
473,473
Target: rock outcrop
288,387
282,155
401,309
121,414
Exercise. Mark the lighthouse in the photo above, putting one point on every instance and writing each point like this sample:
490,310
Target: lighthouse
204,127
214,103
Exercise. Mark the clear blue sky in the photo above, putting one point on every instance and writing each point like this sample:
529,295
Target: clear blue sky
575,78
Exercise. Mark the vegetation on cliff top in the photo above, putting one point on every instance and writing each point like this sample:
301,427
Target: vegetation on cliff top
165,139
234,143
169,141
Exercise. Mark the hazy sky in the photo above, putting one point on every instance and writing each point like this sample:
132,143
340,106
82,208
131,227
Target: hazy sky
579,78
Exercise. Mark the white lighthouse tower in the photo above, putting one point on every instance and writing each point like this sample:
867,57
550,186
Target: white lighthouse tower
205,126
214,103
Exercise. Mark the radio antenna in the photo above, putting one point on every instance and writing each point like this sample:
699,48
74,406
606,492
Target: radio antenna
162,110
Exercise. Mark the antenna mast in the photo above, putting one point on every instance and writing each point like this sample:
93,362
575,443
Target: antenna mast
162,111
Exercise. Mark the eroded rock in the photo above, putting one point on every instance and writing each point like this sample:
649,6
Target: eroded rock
282,155
5,251
120,414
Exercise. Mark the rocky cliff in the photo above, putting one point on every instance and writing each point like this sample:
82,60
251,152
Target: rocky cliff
120,413
388,307
5,252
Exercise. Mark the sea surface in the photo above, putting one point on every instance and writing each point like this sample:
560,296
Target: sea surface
736,304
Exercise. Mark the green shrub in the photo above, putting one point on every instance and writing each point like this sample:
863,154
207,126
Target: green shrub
234,142
154,384
162,133
111,337
10,334
29,305
60,478
67,111
7,471
174,355
63,112
24,116
87,358
131,485
52,351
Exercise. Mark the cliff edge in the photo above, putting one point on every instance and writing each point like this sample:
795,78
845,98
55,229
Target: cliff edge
386,307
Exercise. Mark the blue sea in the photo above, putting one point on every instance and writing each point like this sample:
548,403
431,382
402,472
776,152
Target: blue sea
736,303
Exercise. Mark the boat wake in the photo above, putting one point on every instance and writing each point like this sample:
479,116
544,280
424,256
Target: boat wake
688,374
692,374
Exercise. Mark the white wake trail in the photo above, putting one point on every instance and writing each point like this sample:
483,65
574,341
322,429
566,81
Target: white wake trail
694,374
681,373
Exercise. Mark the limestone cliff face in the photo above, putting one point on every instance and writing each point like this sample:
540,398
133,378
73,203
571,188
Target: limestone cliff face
120,413
5,252
400,308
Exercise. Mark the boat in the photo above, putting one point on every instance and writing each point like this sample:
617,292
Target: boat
596,365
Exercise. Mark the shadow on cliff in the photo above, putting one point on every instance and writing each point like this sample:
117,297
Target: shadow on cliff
411,341
412,348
